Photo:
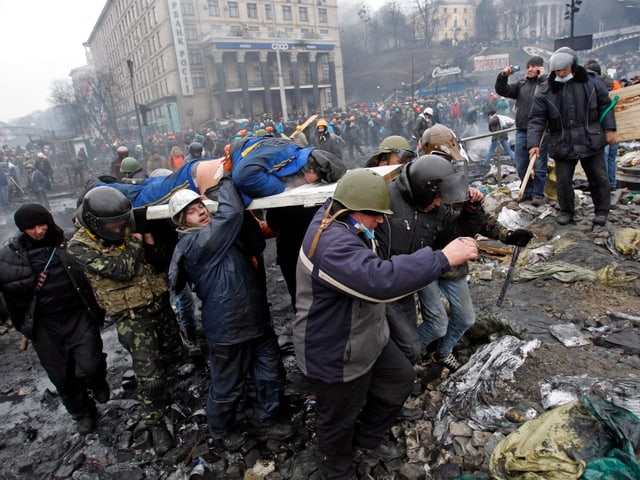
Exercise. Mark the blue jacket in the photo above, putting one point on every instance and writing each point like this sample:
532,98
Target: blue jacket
260,165
340,327
233,295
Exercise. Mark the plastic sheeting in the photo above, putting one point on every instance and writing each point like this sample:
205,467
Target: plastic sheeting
468,393
591,437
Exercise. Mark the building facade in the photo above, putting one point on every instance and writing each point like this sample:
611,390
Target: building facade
455,20
192,62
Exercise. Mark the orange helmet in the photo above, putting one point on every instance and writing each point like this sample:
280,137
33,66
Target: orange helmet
269,128
242,133
322,123
352,118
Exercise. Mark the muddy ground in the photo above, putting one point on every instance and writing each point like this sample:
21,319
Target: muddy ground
38,439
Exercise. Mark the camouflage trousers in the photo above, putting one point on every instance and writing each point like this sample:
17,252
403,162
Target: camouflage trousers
152,337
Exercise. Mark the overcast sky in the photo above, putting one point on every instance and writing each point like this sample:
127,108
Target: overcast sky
42,42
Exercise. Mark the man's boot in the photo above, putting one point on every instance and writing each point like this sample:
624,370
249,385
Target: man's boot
87,422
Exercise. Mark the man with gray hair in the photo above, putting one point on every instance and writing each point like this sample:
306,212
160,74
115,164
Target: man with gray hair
575,110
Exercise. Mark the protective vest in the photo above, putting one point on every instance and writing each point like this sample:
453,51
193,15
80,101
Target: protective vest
116,296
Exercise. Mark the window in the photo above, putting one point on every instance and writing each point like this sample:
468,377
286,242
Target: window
190,31
325,68
322,15
187,8
252,10
234,11
198,80
236,31
303,14
195,58
214,8
268,12
287,14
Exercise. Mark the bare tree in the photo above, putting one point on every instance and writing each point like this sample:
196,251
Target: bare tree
514,20
427,19
394,25
89,103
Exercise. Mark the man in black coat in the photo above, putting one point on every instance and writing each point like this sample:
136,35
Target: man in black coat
51,304
574,110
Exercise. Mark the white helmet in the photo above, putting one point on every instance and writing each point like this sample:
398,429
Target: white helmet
160,172
428,111
179,201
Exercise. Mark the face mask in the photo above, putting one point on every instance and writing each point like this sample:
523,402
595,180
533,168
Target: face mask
370,235
565,79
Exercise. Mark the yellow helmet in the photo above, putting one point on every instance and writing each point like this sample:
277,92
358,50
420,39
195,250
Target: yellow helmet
322,123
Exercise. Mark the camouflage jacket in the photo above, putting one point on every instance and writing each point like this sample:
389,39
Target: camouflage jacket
121,278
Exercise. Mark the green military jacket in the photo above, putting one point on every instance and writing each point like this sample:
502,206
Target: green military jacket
121,278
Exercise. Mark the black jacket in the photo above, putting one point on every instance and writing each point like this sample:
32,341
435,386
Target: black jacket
572,111
412,229
523,92
18,280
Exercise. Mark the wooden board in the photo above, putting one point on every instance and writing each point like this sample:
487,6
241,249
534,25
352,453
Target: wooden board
627,112
306,195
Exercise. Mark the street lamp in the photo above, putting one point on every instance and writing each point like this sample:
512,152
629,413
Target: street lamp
283,97
135,105
571,11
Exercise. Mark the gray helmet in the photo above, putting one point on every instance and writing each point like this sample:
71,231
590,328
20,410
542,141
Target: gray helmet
195,148
432,175
106,213
361,189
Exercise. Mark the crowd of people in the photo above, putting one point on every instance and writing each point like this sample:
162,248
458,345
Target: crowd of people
349,264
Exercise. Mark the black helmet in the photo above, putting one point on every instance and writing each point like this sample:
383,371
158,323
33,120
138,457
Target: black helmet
106,213
432,175
195,148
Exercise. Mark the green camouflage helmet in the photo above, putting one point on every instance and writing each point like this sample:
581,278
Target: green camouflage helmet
361,189
129,165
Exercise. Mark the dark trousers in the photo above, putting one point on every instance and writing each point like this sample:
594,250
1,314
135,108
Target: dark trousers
403,326
358,413
69,347
229,366
596,172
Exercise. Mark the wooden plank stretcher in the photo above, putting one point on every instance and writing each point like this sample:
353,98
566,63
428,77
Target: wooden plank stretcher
627,112
306,195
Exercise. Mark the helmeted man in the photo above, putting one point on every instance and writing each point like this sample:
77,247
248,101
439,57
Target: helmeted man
195,151
441,140
235,314
393,150
126,272
122,152
523,92
324,140
421,123
299,138
573,109
132,172
340,334
51,303
422,216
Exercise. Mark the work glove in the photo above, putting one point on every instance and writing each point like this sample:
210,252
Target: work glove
520,237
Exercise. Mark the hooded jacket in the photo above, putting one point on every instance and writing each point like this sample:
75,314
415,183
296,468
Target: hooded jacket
65,288
340,327
572,111
233,294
